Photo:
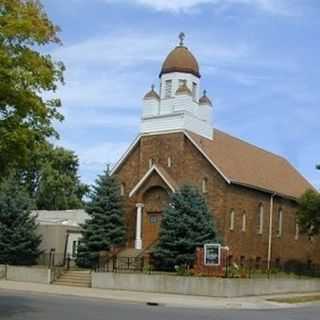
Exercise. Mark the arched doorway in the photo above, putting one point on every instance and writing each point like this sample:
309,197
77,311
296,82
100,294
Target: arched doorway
155,201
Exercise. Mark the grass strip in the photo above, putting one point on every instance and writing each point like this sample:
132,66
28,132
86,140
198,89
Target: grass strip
297,299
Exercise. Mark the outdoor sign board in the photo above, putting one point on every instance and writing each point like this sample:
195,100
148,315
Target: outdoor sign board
212,254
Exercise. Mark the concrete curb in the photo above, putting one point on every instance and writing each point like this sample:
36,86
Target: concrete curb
168,300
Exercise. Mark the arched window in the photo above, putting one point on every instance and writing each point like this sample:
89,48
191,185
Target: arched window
244,221
205,185
194,90
280,222
168,89
232,217
260,219
122,189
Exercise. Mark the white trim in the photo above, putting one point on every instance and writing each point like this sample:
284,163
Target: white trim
135,142
145,177
205,155
167,132
125,155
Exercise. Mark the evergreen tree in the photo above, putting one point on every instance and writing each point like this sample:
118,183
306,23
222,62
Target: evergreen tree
106,226
187,224
19,242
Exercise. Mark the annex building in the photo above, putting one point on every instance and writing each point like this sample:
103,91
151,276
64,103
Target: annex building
251,192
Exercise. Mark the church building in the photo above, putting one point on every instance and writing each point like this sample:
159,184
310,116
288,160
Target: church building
252,193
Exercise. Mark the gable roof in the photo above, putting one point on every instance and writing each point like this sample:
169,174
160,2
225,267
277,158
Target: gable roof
161,172
242,163
245,164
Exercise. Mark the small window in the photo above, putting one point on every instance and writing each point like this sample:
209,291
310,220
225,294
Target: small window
150,163
260,219
194,90
204,185
168,91
297,232
169,162
181,82
280,222
244,222
122,189
232,216
154,218
74,249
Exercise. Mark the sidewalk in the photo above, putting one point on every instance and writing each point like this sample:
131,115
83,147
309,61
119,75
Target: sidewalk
169,300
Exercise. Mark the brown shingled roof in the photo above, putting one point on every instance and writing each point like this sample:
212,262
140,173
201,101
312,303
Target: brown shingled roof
245,164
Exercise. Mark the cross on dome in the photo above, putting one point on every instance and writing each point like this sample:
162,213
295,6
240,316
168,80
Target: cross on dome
182,36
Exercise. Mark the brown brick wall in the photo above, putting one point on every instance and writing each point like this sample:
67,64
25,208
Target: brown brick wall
188,165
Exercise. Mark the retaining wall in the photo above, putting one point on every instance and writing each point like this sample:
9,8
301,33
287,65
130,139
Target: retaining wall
215,287
28,274
2,271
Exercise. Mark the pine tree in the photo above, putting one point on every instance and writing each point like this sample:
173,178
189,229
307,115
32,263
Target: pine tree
187,224
106,226
19,241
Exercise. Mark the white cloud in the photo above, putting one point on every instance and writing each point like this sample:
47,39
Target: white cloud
97,156
283,7
114,71
91,118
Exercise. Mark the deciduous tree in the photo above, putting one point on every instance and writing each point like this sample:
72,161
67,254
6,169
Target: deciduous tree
309,212
27,75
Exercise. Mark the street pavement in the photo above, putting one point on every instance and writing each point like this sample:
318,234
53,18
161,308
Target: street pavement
16,305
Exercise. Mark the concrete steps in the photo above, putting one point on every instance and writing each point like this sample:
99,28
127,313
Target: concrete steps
75,279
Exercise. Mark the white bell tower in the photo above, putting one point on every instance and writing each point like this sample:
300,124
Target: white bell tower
178,106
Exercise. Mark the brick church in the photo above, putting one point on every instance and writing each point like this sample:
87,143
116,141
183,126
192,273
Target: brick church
251,192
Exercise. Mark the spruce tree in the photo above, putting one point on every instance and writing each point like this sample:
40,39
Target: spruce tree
187,224
106,226
19,241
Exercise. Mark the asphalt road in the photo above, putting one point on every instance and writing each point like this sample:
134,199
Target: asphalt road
18,305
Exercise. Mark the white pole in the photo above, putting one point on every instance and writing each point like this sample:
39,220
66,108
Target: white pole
270,230
138,241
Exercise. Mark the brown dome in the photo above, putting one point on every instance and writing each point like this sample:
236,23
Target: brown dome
151,94
204,100
180,59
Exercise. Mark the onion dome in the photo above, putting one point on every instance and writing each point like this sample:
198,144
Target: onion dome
183,89
204,100
180,59
152,94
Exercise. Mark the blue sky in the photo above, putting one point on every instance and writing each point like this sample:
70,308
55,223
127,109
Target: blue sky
259,62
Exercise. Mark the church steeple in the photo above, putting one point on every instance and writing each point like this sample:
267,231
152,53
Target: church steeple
178,106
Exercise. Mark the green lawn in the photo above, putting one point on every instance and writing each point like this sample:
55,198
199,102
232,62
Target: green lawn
297,299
